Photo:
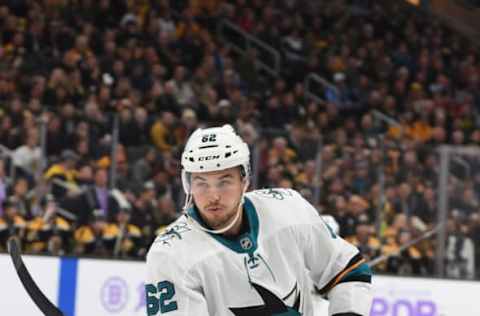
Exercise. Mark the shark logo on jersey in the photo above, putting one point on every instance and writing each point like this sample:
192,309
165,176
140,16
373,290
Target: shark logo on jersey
277,194
175,232
274,306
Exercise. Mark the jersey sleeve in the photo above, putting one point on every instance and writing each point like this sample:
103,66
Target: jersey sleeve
335,266
169,290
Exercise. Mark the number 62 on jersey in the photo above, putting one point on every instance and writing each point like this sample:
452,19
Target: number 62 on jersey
160,298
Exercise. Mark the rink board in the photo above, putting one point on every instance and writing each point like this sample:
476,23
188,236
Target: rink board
14,299
86,287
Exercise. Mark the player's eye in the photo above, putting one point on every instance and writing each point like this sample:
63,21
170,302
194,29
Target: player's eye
201,185
224,183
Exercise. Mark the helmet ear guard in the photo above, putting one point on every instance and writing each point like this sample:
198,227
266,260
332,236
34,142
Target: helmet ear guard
245,171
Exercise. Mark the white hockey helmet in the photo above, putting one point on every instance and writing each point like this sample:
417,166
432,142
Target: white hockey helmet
213,149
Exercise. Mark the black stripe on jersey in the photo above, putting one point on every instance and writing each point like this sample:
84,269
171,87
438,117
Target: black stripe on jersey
347,314
356,260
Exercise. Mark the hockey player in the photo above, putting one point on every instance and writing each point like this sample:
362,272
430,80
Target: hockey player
258,253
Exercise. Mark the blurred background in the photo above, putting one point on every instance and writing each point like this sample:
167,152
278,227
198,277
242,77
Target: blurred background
371,109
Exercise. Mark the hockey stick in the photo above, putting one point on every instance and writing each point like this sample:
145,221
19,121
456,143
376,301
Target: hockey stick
42,302
425,235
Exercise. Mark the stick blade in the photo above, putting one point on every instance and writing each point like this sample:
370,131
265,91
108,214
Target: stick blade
42,302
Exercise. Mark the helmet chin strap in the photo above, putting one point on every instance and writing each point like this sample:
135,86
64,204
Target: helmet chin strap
221,230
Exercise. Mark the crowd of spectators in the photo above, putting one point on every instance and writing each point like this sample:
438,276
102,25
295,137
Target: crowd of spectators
70,71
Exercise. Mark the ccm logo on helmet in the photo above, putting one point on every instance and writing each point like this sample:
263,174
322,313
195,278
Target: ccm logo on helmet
204,158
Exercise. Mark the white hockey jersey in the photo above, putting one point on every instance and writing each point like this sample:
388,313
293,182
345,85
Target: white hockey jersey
267,270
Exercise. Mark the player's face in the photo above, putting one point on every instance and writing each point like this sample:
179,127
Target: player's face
217,195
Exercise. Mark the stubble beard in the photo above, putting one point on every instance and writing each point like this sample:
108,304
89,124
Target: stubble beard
226,219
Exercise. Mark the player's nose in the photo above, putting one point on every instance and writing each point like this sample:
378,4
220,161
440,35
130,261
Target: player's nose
214,196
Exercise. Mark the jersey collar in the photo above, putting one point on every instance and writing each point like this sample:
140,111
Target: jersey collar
245,242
